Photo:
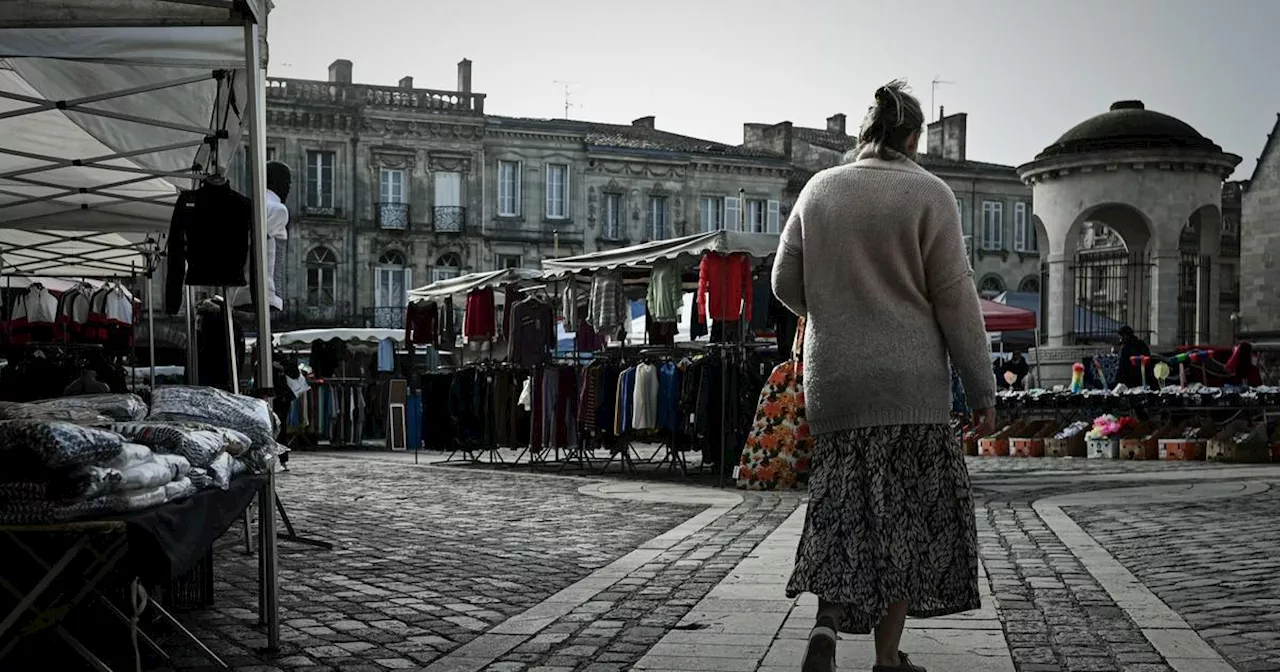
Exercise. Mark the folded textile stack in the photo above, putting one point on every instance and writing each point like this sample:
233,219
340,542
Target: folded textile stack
209,449
208,406
56,471
119,407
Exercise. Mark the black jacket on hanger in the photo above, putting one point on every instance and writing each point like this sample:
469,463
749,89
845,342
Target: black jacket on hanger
208,241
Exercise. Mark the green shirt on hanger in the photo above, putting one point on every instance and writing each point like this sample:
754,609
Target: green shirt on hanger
666,292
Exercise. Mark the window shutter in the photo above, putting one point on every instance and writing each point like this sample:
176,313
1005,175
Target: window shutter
548,187
775,214
732,214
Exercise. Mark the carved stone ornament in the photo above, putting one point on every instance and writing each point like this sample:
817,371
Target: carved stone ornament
449,163
421,129
632,169
394,158
593,199
614,187
635,205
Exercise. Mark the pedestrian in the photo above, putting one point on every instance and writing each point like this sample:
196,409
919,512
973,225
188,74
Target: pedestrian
873,256
1130,371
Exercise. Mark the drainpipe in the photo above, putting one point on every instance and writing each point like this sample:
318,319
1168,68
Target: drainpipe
355,215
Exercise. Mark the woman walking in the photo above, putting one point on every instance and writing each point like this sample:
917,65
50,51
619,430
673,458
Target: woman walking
873,256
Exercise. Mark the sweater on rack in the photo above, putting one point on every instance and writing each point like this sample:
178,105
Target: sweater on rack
874,256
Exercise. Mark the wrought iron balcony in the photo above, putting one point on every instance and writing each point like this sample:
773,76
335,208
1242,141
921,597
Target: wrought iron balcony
393,216
385,317
448,219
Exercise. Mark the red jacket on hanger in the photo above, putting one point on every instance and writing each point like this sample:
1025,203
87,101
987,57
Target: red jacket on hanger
724,287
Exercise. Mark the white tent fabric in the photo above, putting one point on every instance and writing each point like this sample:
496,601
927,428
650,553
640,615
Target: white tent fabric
99,126
473,281
756,245
71,254
304,337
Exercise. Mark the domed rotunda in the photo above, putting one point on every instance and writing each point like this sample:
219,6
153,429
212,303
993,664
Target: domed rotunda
1127,205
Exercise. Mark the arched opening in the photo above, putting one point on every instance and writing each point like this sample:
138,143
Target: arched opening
391,292
1199,244
447,266
322,277
1110,273
991,285
1030,284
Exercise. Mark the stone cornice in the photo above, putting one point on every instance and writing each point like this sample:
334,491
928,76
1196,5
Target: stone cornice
1176,160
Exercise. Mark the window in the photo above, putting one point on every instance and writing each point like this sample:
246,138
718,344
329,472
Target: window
320,175
392,184
965,225
446,267
557,191
322,277
391,293
448,215
509,261
762,216
992,225
659,216
1024,230
611,226
990,285
508,188
245,183
733,213
711,214
1030,284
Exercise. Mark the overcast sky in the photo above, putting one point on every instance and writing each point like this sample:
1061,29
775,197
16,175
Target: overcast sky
1024,70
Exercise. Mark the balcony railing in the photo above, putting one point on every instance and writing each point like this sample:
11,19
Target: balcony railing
299,314
315,92
393,216
448,219
385,317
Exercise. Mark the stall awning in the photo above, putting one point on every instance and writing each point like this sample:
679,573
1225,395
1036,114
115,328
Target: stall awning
756,245
305,337
101,124
74,255
999,317
472,281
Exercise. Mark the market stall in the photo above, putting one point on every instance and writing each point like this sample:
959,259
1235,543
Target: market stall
106,110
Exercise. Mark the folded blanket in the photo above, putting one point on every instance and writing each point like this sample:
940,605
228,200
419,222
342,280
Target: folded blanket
121,407
41,445
199,443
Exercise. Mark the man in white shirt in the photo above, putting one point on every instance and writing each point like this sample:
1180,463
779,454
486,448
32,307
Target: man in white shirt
279,182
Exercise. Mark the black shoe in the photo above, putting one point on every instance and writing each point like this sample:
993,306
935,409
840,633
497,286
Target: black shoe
821,654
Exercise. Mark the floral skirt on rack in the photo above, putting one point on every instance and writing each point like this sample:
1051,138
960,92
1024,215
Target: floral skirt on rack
778,448
890,519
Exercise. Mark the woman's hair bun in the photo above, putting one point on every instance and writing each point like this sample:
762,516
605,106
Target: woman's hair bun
883,95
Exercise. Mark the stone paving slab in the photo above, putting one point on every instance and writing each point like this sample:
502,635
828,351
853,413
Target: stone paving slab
747,623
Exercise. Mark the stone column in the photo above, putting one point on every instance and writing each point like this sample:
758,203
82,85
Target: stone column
1209,304
1164,297
1060,321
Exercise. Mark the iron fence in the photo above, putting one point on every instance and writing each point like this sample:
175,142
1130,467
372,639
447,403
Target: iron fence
1112,289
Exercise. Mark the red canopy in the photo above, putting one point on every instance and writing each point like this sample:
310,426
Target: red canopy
999,317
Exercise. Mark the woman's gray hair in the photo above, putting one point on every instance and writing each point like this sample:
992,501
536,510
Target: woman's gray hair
890,122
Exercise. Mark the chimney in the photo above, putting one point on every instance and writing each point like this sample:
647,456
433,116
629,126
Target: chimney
644,122
836,124
406,82
340,71
464,76
947,136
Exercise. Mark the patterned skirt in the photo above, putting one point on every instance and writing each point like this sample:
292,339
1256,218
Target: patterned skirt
890,520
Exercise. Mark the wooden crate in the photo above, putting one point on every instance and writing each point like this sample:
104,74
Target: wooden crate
1072,447
1108,448
1223,447
1141,443
1031,443
1180,449
997,445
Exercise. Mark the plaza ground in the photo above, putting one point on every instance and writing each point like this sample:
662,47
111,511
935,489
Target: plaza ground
1088,566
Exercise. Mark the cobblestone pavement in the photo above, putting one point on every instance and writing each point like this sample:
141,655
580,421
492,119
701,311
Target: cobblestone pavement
425,560
1056,616
433,561
1214,562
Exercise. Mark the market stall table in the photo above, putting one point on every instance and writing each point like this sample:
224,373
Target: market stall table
74,560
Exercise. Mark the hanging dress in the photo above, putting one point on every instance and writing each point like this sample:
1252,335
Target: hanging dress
778,448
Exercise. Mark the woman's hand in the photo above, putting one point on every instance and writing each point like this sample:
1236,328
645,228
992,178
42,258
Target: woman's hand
984,421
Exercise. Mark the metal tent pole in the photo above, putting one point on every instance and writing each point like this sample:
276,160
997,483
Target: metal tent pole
151,329
257,116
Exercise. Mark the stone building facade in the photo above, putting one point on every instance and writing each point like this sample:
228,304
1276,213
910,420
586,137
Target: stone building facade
399,186
995,205
1259,314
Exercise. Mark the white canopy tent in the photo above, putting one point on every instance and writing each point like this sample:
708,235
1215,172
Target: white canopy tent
472,281
755,245
107,108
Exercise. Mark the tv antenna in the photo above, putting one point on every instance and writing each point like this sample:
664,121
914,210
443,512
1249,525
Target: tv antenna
568,95
933,94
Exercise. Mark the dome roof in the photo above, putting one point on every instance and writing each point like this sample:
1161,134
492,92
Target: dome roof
1128,125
